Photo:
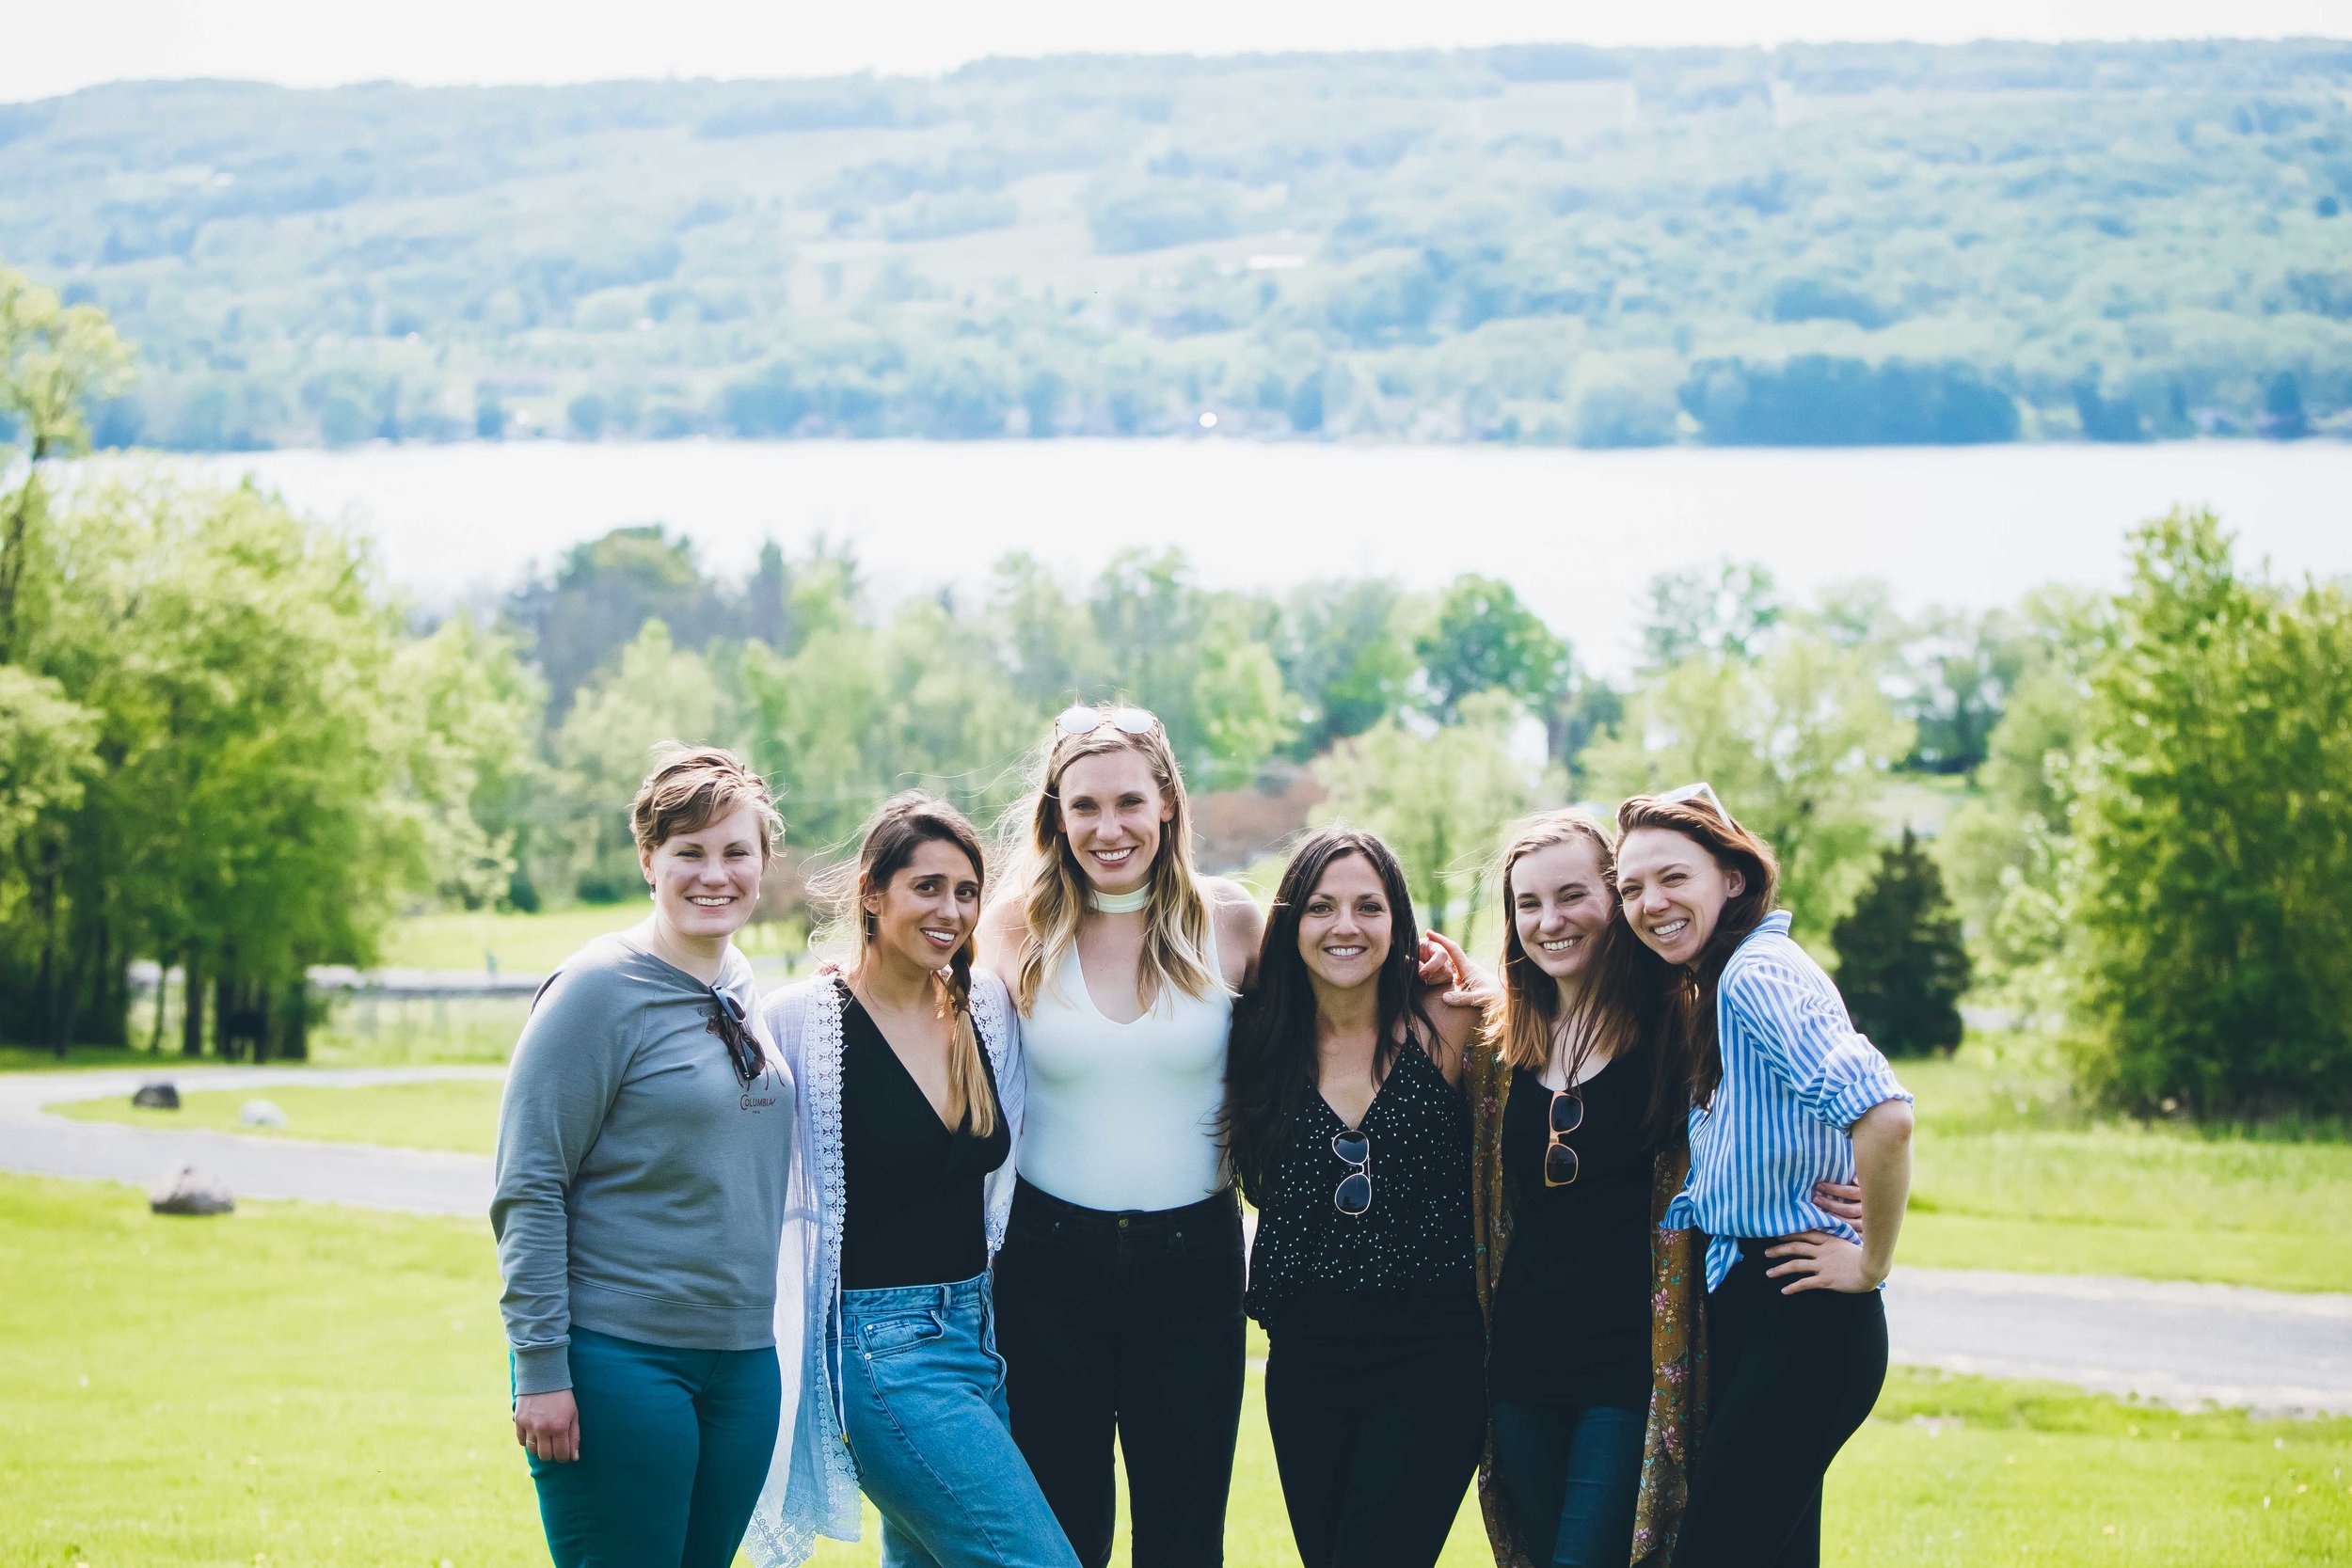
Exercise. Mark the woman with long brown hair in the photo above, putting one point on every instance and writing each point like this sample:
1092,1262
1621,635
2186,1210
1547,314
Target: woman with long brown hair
1121,1281
1580,1094
1351,1138
1787,1095
911,1092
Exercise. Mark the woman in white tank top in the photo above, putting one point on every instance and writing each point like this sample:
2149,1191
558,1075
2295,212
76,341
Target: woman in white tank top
1118,1288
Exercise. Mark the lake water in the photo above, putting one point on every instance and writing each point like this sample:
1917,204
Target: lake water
1578,532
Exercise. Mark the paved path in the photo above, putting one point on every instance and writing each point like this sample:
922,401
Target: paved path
2177,1343
421,1180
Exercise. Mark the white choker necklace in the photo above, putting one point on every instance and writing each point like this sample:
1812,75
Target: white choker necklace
1120,903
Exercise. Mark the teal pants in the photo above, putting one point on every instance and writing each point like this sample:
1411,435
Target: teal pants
673,1447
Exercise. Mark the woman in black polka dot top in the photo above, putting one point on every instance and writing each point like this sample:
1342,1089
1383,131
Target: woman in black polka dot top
1350,1135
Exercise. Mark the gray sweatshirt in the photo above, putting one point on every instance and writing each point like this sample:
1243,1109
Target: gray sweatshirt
640,1184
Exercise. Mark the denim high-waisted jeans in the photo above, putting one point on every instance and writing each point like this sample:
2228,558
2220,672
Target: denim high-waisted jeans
923,1401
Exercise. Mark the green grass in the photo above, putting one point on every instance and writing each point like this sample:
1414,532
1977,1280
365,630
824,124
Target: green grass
32,1059
461,1116
2011,1173
295,1383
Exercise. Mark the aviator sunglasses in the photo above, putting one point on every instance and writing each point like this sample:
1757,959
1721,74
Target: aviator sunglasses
1354,1195
1085,718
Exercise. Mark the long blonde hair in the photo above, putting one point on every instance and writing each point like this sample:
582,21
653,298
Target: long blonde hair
1052,888
903,824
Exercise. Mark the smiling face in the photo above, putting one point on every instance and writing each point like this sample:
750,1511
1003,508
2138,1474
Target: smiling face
1112,814
1346,924
1673,892
1561,903
705,883
929,907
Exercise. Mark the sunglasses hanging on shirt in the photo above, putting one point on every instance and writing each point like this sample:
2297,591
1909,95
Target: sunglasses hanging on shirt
1353,1196
732,1025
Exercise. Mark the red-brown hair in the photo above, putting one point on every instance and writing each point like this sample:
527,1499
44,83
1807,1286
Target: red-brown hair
1733,848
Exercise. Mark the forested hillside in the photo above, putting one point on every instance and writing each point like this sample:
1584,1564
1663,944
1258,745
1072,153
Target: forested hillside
1813,245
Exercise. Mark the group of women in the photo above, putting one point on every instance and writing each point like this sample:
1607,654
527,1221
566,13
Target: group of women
957,1221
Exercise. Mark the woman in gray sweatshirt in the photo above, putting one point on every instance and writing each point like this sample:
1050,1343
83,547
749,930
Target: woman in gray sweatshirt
644,1147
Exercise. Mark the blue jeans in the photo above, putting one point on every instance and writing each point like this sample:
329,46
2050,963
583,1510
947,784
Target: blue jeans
1573,1474
923,1401
674,1446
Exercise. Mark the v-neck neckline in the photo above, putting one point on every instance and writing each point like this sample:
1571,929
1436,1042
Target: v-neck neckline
850,998
1377,1090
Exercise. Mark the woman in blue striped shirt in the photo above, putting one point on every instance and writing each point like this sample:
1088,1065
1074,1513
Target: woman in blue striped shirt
1787,1095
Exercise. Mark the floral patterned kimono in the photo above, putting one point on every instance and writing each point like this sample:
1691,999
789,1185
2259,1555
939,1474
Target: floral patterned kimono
1677,1352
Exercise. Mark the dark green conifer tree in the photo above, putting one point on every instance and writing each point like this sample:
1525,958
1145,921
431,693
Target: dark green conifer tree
1900,962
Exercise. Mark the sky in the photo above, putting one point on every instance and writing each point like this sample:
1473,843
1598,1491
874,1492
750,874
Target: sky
56,49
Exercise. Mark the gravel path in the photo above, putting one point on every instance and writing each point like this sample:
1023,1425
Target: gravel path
2176,1343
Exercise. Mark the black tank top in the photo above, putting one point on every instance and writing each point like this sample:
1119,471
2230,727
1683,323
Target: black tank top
1408,1257
917,1210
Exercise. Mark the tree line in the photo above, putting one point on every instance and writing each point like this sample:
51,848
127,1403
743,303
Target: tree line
1811,244
226,745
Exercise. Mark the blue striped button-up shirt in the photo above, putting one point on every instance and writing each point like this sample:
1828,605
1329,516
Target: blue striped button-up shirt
1796,1076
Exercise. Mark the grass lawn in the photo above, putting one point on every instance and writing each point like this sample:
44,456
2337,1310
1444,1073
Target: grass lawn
2010,1173
461,1117
299,1384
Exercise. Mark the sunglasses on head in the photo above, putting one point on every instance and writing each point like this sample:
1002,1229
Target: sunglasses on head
1085,718
1702,791
731,1024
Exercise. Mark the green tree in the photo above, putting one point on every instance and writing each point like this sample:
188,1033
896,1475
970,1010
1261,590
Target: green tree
1727,612
604,748
1795,744
1483,639
2214,910
1902,965
2005,852
1346,654
1244,712
247,816
1045,638
54,361
470,763
602,593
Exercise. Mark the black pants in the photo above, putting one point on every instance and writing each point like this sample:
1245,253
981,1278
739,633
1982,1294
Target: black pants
1377,1436
1126,1323
1790,1379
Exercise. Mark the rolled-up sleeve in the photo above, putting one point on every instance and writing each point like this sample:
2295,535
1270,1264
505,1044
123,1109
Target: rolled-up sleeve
1798,1025
559,1086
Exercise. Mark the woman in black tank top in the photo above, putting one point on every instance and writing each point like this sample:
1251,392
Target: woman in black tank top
1351,1136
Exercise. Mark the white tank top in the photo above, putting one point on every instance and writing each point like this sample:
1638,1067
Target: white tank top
1123,1116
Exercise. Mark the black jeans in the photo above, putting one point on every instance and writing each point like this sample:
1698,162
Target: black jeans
1126,1323
1790,1378
1377,1436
